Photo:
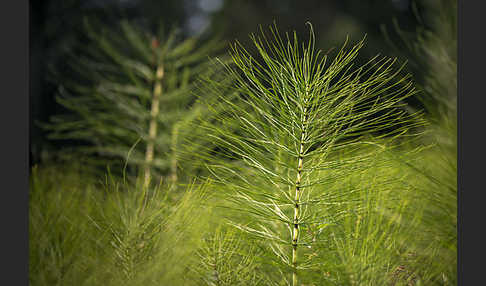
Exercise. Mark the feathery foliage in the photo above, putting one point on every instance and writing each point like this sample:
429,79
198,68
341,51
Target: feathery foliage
84,234
314,178
297,125
226,259
56,234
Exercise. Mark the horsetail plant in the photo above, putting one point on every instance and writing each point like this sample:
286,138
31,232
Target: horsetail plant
298,123
133,86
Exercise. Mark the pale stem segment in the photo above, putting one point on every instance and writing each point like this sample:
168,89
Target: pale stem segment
295,232
154,113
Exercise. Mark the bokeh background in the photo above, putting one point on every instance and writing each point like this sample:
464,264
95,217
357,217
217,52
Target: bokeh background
56,31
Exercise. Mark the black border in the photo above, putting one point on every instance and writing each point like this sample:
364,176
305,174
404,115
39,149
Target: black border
471,111
14,116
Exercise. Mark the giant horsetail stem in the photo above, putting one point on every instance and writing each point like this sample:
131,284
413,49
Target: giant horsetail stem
295,232
154,112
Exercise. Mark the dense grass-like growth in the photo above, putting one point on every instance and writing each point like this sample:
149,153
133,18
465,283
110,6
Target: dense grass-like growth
300,168
112,234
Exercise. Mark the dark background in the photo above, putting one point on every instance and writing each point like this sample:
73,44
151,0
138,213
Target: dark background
56,31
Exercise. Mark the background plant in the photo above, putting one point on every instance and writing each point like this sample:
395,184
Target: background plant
133,92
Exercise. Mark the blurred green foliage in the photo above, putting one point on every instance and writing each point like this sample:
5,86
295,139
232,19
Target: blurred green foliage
129,94
388,220
56,32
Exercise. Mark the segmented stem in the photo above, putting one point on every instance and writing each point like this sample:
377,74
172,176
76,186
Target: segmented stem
295,232
154,112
